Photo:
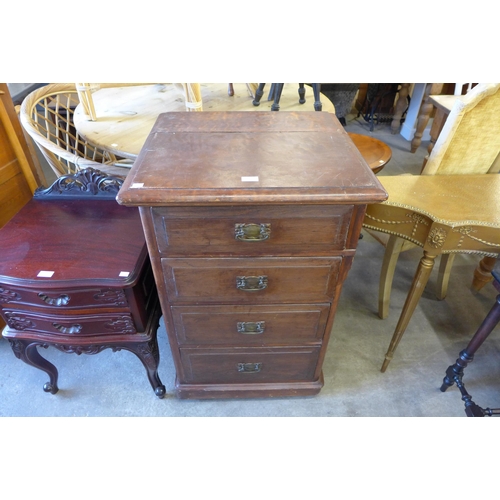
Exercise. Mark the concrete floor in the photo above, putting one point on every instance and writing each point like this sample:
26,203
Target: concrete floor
115,384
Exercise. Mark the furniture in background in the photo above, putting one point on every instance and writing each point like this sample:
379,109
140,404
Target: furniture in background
47,116
129,113
252,221
277,89
376,153
454,373
75,275
444,214
20,174
462,149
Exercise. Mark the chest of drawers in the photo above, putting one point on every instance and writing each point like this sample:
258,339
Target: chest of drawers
75,274
251,222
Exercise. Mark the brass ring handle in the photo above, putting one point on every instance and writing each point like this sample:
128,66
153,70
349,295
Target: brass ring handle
252,232
68,329
250,327
251,283
62,300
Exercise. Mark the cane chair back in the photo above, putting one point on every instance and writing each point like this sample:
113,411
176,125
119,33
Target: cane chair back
47,116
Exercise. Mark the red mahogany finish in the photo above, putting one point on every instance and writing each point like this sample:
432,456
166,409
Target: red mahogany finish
75,274
251,222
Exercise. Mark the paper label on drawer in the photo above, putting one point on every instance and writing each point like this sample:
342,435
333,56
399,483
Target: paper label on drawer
124,274
45,274
250,178
137,185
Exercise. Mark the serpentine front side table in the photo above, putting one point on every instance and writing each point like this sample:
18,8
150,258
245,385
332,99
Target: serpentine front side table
444,214
75,275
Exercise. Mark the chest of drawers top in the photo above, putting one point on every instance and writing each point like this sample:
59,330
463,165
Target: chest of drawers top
56,244
242,158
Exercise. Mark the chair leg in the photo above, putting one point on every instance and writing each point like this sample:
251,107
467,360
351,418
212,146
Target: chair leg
392,251
482,273
444,275
417,288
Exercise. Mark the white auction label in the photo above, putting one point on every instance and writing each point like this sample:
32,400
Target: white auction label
254,178
124,274
45,274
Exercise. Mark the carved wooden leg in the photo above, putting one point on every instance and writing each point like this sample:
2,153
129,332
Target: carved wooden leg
444,275
26,351
258,94
417,287
149,355
317,99
424,114
230,89
482,273
302,93
391,255
401,105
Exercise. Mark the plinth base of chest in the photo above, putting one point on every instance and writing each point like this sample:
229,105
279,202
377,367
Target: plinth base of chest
248,390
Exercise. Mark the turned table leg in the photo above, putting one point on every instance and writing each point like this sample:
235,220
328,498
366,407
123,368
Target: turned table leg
417,287
400,108
26,351
454,373
258,94
482,273
424,114
317,99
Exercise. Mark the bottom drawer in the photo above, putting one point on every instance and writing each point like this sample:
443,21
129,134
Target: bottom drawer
243,365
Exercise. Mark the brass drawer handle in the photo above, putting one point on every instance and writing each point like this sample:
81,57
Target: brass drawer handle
250,327
252,232
251,283
68,329
62,300
249,367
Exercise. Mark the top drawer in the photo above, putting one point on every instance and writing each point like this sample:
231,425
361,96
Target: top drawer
271,230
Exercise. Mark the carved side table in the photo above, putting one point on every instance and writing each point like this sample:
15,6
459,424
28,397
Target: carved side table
75,275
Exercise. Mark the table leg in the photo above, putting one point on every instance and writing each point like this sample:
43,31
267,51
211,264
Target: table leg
482,273
317,99
302,93
278,89
424,113
454,373
258,94
417,287
26,351
401,105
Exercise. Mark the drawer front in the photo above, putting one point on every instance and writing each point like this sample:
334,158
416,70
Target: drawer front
250,325
57,300
249,365
299,230
70,325
251,281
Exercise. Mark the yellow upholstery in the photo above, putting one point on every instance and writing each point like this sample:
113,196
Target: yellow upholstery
468,144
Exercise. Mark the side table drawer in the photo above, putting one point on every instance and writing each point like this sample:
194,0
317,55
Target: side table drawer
248,365
250,325
281,230
69,325
244,281
62,299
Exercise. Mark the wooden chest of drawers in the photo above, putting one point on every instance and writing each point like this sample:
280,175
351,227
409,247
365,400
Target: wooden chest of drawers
75,274
251,222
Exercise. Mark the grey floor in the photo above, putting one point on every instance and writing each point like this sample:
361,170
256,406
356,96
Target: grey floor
115,384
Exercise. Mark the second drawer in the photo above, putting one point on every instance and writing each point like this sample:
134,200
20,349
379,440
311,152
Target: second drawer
244,281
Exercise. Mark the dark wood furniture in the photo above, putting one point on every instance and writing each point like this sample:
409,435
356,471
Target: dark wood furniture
252,221
376,153
455,372
75,274
277,89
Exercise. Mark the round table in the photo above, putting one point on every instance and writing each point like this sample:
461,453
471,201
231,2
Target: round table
126,115
376,153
